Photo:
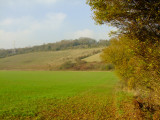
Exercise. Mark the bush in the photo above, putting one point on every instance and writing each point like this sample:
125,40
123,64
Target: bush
107,67
67,65
137,64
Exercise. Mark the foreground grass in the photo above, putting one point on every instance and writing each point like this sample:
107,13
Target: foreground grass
59,95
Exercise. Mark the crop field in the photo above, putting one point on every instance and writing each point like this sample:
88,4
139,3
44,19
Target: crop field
56,95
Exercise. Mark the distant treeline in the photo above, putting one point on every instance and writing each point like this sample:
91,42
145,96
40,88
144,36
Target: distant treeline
62,45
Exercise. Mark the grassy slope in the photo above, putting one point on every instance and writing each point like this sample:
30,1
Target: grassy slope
93,58
55,94
42,60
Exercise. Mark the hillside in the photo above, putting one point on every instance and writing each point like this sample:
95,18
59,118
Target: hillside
80,43
45,60
93,58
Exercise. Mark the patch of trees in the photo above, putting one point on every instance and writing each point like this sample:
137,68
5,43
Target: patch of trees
82,42
135,18
84,66
135,53
137,73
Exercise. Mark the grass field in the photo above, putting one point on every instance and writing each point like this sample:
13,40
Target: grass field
93,58
43,60
59,95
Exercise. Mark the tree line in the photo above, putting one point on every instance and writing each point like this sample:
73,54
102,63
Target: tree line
136,51
82,42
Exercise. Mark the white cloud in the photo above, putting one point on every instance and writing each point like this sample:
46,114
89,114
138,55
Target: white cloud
83,33
46,1
6,22
27,2
11,2
99,33
35,2
28,30
7,38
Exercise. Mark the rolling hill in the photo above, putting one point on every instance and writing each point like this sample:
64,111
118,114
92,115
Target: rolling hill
45,60
93,58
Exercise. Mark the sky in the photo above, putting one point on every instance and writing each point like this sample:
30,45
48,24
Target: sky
25,23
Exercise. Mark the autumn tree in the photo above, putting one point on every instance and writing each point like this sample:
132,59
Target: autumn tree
140,18
136,52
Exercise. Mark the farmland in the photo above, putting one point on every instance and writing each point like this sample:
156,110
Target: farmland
59,95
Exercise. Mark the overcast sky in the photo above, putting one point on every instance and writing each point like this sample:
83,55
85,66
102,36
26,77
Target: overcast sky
35,22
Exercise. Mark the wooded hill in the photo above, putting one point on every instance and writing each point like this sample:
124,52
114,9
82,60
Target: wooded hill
82,42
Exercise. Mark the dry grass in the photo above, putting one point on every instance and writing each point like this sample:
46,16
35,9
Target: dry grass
43,60
93,58
86,107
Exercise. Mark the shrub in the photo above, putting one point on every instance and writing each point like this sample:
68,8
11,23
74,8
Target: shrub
67,65
137,64
107,67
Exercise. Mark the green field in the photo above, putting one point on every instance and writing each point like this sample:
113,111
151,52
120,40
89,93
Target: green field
59,95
